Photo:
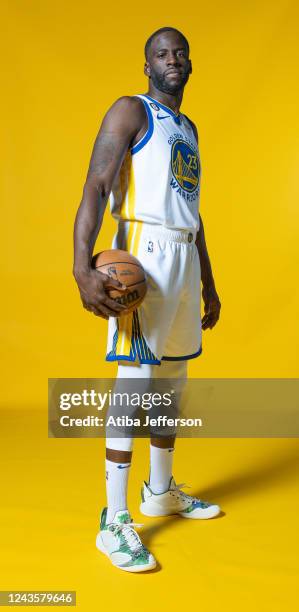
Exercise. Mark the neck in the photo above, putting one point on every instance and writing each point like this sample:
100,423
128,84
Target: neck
173,101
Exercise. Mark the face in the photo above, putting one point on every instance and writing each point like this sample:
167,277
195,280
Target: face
168,63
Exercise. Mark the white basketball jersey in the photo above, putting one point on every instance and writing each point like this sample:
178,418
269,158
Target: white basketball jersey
159,180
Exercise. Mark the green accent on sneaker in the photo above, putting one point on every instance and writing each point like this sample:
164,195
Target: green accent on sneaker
139,557
124,518
197,503
103,519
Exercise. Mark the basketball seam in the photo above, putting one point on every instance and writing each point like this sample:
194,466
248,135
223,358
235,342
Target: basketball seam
121,262
133,284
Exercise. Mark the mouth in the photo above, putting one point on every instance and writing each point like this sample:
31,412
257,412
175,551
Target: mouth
173,72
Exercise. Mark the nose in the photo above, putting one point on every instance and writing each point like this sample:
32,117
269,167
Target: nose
172,59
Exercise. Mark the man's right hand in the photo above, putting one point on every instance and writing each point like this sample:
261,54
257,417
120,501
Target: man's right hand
92,286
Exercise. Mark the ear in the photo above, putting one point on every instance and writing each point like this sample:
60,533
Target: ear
147,70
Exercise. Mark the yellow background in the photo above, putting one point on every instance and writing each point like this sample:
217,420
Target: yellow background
64,65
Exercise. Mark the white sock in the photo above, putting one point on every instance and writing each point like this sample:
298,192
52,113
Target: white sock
160,468
117,475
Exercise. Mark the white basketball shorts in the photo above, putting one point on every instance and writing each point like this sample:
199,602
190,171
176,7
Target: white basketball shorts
167,325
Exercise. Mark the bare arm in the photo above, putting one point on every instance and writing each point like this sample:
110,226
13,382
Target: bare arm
121,125
211,300
205,264
210,296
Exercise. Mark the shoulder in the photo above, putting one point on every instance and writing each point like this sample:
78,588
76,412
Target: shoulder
128,104
193,127
126,114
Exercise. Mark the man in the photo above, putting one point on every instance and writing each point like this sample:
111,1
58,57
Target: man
146,159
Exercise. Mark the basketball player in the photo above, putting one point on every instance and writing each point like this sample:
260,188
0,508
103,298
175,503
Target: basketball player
146,159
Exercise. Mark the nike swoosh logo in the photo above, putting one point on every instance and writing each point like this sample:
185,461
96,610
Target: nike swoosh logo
163,116
122,467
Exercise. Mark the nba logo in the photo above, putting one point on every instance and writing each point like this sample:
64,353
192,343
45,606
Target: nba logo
150,246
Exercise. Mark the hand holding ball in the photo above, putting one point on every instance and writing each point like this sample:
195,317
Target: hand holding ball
122,266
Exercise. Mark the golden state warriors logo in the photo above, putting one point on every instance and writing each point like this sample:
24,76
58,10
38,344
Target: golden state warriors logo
185,165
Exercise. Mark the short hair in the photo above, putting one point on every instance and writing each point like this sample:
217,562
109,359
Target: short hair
160,31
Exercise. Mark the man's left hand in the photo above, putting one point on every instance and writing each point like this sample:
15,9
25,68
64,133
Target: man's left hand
212,307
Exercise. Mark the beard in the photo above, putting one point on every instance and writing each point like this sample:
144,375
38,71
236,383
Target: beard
160,82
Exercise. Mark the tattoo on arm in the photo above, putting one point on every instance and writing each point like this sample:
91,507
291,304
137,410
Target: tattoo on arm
103,153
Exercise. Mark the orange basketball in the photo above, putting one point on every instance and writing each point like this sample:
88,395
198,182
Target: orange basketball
124,267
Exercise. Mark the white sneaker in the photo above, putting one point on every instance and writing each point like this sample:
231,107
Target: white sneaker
120,542
175,501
